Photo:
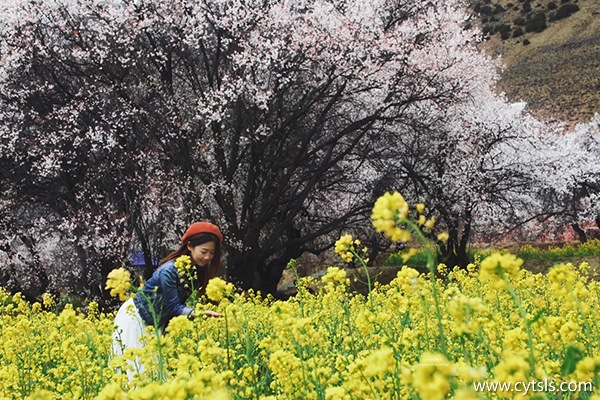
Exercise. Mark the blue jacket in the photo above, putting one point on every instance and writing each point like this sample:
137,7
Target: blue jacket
165,294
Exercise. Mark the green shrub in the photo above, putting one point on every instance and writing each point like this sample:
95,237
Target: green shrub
517,32
520,21
488,29
565,11
417,261
588,249
486,10
78,302
591,248
505,31
529,252
554,253
537,23
498,9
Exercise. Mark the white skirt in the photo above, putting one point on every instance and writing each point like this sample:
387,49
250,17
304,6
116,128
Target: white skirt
129,328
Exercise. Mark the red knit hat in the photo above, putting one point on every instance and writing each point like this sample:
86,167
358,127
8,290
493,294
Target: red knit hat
201,227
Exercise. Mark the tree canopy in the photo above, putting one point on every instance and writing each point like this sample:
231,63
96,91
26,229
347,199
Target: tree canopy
281,121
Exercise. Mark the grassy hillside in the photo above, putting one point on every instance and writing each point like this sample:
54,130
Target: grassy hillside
552,57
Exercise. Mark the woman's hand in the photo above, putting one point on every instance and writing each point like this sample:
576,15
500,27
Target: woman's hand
210,313
207,313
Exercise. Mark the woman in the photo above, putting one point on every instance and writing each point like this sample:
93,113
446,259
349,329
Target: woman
164,295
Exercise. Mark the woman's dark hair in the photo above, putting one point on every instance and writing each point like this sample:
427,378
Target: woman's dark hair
194,241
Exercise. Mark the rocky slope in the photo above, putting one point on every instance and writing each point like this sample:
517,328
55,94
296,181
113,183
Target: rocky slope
551,50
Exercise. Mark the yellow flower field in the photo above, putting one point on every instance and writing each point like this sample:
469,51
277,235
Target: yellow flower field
491,331
327,345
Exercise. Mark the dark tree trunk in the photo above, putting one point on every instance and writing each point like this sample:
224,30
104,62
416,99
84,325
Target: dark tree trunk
455,251
270,278
271,275
242,269
580,232
459,258
250,270
39,285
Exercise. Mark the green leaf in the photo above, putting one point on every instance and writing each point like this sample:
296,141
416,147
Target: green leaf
573,355
538,315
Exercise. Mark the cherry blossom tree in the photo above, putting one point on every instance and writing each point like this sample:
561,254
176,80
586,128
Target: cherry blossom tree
78,162
487,168
282,121
571,184
242,112
587,193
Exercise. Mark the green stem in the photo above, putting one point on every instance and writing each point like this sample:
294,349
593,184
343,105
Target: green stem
523,315
346,307
161,373
362,262
431,266
584,317
227,338
300,289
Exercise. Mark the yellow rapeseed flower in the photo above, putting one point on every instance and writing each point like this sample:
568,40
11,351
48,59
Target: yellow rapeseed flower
185,268
443,236
587,369
388,212
497,266
464,312
512,368
217,289
431,376
47,300
380,362
407,279
336,393
68,317
344,247
335,277
119,283
430,223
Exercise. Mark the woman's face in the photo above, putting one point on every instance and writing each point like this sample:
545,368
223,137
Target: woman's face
202,254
